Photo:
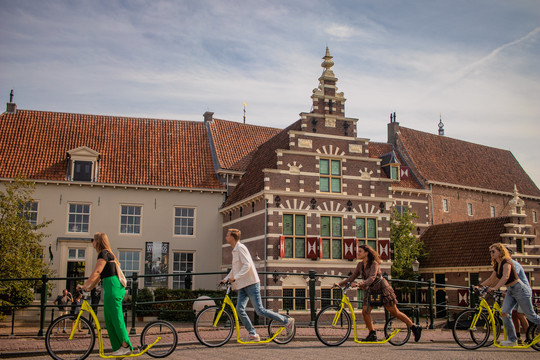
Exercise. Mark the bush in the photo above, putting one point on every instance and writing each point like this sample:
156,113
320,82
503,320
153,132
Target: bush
145,295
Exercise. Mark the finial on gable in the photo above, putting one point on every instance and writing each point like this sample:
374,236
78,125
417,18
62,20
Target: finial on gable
327,63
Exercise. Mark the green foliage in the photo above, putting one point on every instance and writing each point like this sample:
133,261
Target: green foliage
406,245
145,295
21,254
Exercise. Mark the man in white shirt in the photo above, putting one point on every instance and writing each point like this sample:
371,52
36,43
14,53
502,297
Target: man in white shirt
518,317
245,280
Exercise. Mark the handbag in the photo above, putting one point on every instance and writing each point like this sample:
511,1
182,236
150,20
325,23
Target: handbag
375,297
121,275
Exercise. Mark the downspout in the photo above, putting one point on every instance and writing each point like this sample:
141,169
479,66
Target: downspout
265,250
431,196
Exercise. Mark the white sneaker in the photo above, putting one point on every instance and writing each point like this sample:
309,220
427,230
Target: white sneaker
251,338
509,343
122,351
289,327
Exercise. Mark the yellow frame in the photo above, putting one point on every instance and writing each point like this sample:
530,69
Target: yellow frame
86,307
491,318
228,301
345,301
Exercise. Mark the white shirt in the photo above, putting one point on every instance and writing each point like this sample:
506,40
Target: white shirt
243,269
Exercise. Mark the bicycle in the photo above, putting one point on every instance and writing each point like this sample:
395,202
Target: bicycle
158,338
472,328
333,325
214,325
460,329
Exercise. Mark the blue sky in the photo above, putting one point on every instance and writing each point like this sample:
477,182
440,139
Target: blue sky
475,62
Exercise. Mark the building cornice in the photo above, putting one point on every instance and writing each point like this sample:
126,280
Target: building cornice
490,191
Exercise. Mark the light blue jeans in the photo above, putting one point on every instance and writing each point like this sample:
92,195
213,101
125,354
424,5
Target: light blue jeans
253,293
518,294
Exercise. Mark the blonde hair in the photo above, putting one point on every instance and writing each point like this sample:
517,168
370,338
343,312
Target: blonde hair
102,243
235,233
502,250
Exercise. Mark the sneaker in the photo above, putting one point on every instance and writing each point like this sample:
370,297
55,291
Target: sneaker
122,351
289,327
64,331
417,331
372,336
509,343
252,338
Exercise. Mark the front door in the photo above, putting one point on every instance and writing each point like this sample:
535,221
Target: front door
75,268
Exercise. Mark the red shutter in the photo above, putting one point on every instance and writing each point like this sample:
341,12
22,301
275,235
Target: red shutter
384,249
463,297
312,252
405,172
282,246
349,249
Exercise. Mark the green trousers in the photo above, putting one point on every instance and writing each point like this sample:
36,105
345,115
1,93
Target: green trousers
112,309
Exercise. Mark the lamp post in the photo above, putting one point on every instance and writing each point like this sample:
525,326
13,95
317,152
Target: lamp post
415,267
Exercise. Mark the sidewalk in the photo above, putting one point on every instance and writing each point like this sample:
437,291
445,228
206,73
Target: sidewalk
27,344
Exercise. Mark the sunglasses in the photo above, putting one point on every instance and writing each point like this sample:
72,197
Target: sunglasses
492,251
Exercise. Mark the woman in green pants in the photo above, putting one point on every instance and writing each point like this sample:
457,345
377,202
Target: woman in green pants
113,294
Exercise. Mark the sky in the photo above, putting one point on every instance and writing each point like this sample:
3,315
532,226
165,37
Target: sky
475,64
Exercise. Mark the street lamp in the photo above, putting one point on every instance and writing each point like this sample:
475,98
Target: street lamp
415,267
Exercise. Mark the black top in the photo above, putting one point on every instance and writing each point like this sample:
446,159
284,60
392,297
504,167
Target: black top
513,275
110,267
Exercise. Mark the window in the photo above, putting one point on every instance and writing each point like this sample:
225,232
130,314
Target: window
130,263
182,262
519,246
366,232
30,211
184,219
332,237
130,219
76,254
294,299
394,172
330,296
535,217
294,231
401,209
469,209
82,171
330,175
445,205
492,211
78,218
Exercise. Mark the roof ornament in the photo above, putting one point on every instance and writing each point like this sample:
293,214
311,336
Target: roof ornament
441,125
11,96
327,63
516,200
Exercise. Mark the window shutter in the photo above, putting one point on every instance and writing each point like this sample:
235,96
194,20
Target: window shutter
384,249
349,249
282,246
312,247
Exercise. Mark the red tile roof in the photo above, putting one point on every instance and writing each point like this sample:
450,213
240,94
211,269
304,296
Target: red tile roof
135,151
443,159
264,158
235,143
376,150
462,243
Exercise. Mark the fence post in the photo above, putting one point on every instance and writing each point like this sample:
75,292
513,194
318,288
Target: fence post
312,296
134,291
44,281
430,295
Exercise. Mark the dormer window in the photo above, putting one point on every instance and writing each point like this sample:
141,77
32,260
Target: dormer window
390,165
83,164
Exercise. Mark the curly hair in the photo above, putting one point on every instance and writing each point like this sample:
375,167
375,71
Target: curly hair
502,250
372,254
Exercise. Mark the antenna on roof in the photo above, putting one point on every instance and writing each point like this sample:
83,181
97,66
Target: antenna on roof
245,113
11,96
441,125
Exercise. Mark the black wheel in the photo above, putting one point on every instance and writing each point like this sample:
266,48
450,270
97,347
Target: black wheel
60,347
402,336
282,338
532,332
498,330
331,328
167,342
471,337
207,333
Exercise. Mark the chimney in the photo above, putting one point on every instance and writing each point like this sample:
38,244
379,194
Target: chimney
11,107
393,129
208,116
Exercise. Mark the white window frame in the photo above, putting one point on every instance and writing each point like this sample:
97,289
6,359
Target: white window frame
470,211
534,217
492,211
69,213
140,216
177,284
29,212
128,270
194,220
446,205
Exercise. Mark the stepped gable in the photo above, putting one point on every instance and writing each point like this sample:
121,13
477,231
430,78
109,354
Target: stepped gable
376,150
264,158
447,160
462,244
132,151
236,143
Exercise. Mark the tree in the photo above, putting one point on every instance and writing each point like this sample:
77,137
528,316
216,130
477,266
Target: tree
406,245
21,254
